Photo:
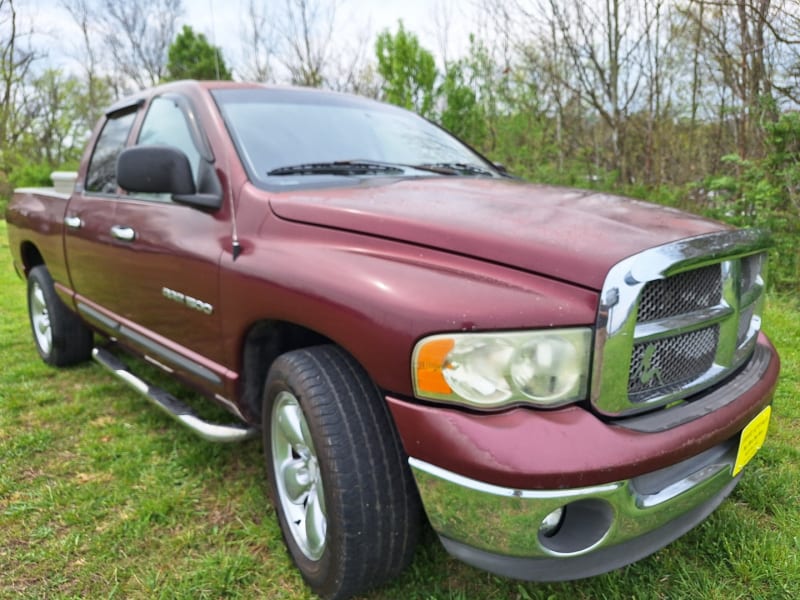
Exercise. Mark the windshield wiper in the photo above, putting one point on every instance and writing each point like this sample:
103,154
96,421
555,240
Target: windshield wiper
339,167
368,166
446,168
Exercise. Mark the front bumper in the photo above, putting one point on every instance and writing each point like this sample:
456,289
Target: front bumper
630,487
603,527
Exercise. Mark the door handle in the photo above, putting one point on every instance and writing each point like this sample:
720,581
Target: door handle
126,234
73,222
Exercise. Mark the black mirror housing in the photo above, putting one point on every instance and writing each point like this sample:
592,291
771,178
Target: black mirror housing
162,170
155,170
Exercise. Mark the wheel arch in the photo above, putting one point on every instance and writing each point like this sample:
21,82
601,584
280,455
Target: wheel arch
265,341
31,256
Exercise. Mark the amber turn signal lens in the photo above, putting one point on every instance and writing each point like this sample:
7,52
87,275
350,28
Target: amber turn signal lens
430,364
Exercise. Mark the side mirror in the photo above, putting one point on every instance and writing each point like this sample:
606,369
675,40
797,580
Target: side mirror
162,170
155,170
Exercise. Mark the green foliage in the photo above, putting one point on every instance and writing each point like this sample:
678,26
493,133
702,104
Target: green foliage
191,56
31,175
63,116
58,115
54,125
766,193
462,114
408,71
501,113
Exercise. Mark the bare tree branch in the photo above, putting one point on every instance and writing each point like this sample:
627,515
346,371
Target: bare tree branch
259,42
138,34
307,31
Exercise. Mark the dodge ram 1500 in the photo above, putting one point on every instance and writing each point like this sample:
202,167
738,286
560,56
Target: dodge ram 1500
562,381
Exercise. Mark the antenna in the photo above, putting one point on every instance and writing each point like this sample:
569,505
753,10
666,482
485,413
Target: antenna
214,38
236,247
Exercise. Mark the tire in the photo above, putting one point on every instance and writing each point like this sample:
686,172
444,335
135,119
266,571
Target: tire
61,338
345,498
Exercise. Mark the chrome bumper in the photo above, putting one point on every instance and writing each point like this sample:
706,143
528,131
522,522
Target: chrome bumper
603,527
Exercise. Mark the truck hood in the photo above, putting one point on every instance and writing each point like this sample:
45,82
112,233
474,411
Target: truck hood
572,235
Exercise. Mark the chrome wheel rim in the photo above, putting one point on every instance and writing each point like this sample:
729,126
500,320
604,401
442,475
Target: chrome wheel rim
40,319
297,476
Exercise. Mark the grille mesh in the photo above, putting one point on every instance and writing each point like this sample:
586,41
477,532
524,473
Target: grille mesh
664,365
682,293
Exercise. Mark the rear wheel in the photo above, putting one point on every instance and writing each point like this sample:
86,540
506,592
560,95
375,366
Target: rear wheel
61,338
346,501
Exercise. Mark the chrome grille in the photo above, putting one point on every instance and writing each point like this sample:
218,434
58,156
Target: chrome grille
666,364
751,269
745,320
680,294
677,319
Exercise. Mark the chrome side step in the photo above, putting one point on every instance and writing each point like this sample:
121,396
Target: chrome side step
172,406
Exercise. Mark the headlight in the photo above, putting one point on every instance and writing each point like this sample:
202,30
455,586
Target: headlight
545,368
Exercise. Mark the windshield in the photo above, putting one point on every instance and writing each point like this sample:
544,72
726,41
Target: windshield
301,134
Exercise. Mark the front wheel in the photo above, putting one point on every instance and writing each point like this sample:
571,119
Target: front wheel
61,338
346,501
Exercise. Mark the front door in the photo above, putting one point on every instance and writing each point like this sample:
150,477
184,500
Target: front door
169,266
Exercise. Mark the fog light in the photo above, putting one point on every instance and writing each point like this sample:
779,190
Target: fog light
577,527
551,523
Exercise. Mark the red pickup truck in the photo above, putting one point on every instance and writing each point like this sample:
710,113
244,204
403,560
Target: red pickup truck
562,381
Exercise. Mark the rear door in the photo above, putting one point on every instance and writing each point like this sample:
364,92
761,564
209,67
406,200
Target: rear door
89,225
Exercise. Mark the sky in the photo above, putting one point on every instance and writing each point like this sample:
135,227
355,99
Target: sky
417,15
220,21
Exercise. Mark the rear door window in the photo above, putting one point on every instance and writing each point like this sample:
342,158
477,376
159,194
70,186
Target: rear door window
101,176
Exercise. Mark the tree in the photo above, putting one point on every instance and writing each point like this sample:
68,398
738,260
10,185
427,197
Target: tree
308,29
742,42
15,62
98,84
408,70
137,36
15,65
57,129
604,57
259,43
191,56
462,114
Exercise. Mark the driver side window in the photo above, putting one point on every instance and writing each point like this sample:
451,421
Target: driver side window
166,124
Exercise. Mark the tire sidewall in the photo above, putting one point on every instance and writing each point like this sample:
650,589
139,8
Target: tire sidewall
71,340
41,278
317,573
372,508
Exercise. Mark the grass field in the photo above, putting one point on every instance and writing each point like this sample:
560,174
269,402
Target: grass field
102,496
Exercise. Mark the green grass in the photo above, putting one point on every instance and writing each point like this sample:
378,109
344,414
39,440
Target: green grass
102,496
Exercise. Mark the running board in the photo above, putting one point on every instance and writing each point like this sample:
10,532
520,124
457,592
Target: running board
172,406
